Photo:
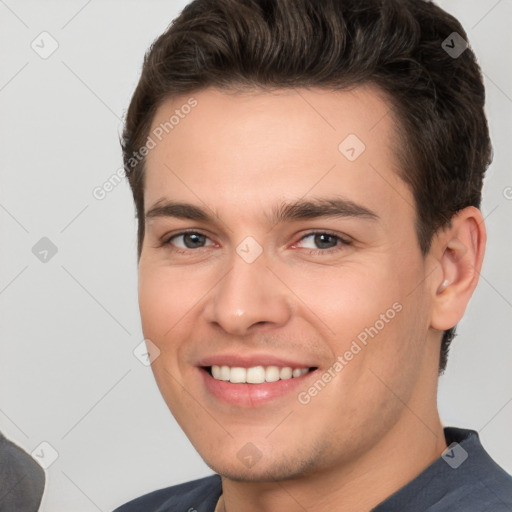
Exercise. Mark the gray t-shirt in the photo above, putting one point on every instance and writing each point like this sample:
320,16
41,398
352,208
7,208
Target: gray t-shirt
21,479
464,479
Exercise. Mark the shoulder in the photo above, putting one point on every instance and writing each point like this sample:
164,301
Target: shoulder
464,479
486,485
21,478
494,483
195,496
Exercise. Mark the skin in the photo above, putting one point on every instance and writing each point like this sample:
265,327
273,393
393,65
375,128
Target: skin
375,426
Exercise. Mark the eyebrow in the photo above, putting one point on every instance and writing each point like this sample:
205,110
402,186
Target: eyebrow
164,208
321,207
285,212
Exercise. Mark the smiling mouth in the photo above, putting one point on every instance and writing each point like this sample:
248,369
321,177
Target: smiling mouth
255,374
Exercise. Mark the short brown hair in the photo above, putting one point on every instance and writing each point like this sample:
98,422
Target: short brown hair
396,45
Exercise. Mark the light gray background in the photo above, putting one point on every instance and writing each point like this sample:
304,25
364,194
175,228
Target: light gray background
68,327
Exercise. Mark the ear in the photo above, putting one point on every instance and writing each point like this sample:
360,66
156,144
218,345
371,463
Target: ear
459,251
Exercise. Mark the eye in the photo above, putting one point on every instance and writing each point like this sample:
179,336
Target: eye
320,241
189,240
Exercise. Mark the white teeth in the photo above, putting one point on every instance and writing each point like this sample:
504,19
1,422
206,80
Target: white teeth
238,375
256,374
224,372
272,374
285,373
216,372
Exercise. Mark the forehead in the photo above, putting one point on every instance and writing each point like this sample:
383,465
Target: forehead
248,146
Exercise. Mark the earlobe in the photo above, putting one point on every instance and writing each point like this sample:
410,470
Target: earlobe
460,250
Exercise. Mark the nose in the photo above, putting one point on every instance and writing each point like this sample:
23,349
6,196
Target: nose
249,297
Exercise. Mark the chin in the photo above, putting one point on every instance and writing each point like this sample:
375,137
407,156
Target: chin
263,471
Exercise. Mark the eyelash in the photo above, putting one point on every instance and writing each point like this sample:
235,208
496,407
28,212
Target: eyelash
343,242
167,241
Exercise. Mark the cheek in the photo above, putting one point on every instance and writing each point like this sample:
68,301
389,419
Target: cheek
165,298
349,298
370,314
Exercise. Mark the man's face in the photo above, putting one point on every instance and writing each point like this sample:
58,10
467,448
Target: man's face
257,284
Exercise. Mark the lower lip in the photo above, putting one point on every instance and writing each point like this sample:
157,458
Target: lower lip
252,395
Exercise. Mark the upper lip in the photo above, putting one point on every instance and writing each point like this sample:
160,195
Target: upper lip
249,361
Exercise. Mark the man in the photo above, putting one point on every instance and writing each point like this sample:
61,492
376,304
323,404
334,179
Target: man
307,177
21,479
